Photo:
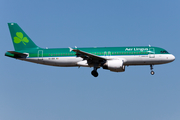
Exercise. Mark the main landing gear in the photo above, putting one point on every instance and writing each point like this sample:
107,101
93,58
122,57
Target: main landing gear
152,72
94,72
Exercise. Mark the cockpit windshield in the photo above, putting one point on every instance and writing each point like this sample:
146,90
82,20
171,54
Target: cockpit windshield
164,51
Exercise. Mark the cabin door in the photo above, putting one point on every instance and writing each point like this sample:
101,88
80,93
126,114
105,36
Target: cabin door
151,53
40,54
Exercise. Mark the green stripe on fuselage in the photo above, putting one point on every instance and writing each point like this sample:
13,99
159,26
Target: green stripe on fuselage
100,51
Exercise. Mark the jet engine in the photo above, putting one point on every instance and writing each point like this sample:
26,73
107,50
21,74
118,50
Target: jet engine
114,65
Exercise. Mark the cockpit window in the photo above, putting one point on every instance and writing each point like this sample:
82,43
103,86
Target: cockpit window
164,51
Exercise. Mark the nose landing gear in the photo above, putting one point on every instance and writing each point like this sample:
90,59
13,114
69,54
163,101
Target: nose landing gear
152,72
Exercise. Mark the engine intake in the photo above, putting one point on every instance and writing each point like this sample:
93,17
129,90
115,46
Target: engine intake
114,65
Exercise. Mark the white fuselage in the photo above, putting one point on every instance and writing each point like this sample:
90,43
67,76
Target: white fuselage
151,59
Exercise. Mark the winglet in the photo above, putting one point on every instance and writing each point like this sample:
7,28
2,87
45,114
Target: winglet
70,49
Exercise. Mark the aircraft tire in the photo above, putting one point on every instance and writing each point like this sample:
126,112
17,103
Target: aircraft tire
94,73
152,72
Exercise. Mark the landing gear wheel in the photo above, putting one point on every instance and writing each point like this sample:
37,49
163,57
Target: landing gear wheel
94,73
152,72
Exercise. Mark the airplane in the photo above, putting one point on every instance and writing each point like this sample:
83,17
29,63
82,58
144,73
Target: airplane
114,59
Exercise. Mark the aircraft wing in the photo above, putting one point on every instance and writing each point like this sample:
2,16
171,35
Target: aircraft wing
85,54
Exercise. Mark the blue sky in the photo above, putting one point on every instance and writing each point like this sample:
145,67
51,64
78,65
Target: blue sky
31,91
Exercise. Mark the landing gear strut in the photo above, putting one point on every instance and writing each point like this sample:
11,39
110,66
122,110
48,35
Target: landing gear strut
94,72
152,72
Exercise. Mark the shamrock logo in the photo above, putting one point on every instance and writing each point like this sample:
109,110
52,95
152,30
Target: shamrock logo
20,38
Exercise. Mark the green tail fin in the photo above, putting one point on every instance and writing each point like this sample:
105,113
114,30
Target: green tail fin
20,39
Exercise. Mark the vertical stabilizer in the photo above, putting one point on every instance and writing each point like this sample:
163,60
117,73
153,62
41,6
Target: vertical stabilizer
20,39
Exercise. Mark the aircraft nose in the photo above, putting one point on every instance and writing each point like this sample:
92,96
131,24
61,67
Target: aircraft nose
172,57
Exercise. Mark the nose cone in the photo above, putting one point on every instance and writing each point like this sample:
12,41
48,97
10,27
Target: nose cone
172,57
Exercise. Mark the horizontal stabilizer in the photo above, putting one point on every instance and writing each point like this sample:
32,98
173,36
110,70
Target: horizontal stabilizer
16,54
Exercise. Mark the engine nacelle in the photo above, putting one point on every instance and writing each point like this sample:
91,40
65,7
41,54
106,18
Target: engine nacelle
114,65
